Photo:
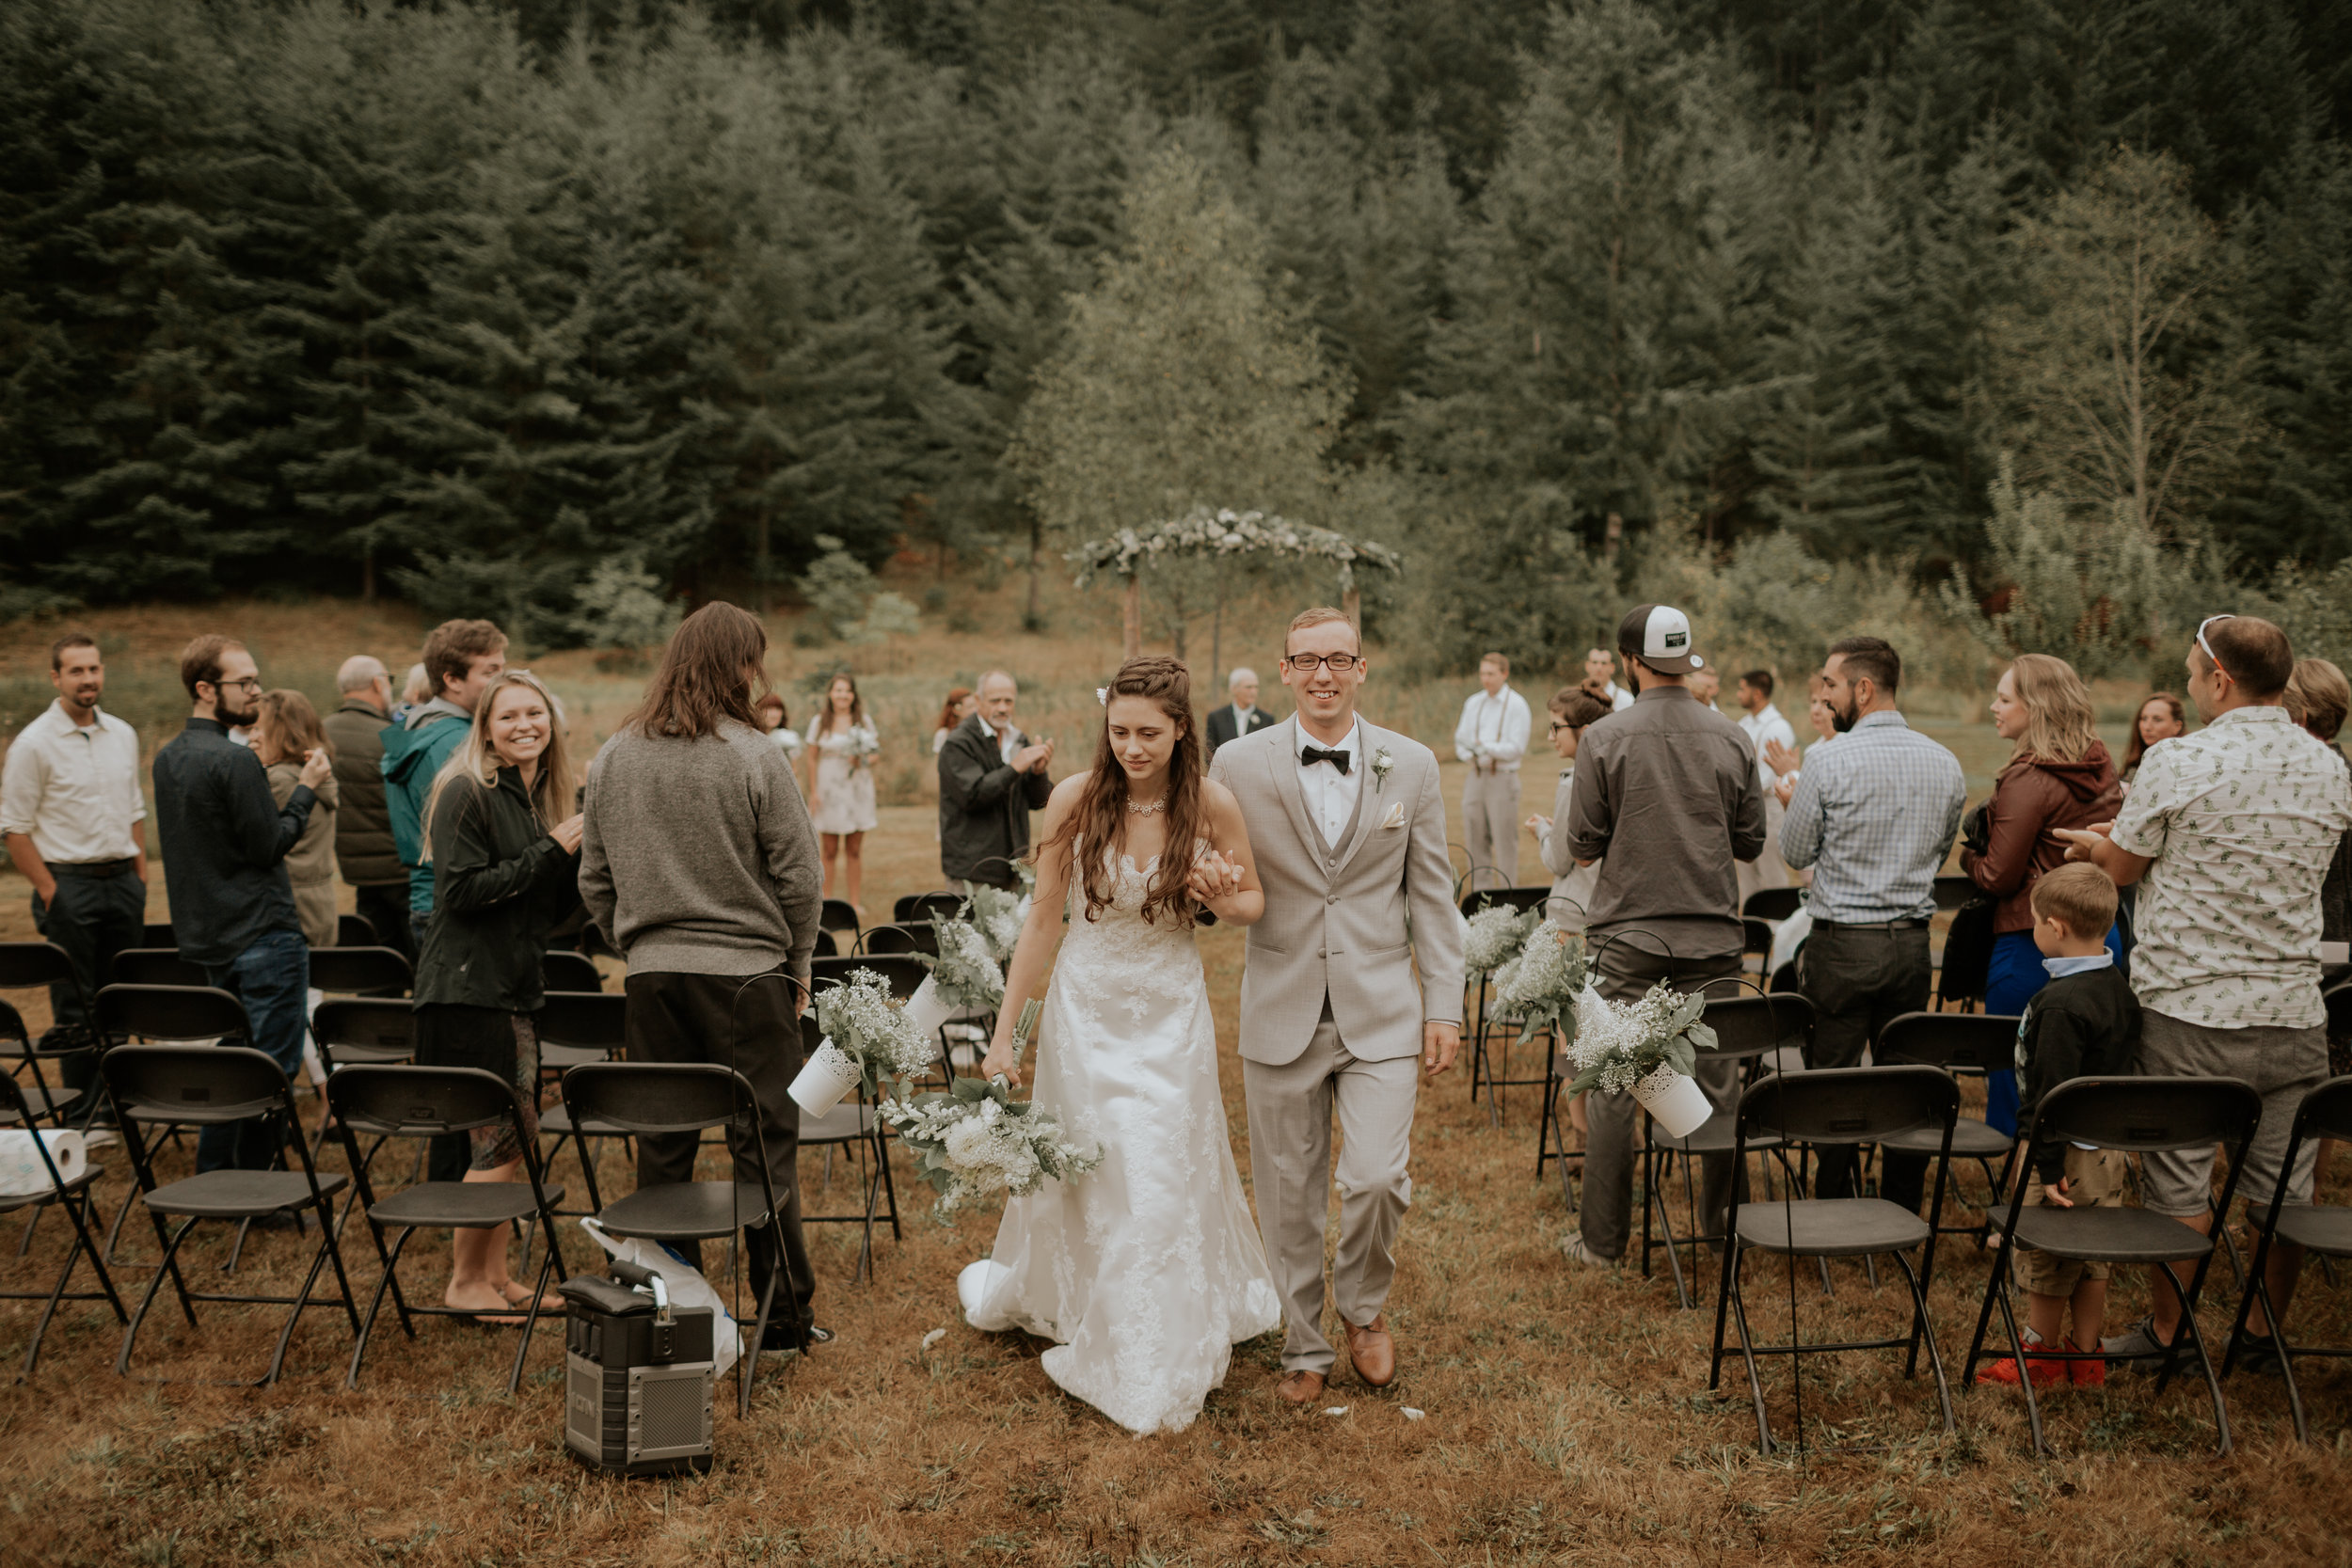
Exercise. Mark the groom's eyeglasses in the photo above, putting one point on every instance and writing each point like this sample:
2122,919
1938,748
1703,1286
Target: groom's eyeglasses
1305,663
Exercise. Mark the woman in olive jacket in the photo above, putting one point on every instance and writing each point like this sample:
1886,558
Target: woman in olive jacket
2059,775
504,840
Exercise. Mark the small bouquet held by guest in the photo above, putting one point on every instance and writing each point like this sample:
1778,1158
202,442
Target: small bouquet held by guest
1648,1049
974,1138
869,1039
1542,985
1494,936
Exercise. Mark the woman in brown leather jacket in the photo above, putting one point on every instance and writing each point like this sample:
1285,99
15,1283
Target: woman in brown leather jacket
2059,775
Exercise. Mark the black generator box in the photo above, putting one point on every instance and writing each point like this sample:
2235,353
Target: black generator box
637,1375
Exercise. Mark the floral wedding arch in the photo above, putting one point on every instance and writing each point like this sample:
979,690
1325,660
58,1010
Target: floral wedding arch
1224,533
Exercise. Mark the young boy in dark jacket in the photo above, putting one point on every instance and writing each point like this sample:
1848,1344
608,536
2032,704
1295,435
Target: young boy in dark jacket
2085,1023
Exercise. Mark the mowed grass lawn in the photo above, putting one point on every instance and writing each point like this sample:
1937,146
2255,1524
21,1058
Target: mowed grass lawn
1567,1418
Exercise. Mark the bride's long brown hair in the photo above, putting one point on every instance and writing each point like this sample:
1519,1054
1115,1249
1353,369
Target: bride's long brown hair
1098,827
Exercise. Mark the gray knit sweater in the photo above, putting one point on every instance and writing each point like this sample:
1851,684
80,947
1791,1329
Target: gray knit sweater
698,857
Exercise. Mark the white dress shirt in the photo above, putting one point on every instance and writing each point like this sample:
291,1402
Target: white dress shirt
1241,720
1493,729
1619,698
74,791
1762,729
1331,794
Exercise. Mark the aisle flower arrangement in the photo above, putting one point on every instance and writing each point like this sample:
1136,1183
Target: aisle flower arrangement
997,915
1494,936
974,1138
1648,1049
1541,984
869,1039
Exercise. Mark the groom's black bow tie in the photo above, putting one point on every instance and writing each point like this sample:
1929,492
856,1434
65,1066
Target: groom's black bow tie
1310,755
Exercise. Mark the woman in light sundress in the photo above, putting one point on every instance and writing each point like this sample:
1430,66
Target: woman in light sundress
842,745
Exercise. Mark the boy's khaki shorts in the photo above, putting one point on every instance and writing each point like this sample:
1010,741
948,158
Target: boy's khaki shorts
2095,1180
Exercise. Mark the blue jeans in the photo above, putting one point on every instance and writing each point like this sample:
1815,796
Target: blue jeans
273,979
2014,978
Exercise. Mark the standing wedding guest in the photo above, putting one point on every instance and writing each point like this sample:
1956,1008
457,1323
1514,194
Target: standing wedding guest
502,833
2228,834
287,731
1872,814
1240,716
364,850
700,867
2160,717
461,659
1763,723
1600,678
954,711
76,829
225,842
2058,775
1666,797
1491,736
416,690
1706,686
776,722
1573,711
842,745
2317,698
991,778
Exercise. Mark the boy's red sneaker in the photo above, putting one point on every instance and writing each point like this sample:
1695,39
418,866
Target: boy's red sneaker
2091,1373
2045,1373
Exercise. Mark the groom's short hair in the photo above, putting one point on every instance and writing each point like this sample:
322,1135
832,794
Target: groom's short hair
1320,616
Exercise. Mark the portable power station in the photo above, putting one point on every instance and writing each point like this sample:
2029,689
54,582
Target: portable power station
637,1375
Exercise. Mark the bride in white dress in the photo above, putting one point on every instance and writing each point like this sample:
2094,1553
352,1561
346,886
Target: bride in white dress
1147,1270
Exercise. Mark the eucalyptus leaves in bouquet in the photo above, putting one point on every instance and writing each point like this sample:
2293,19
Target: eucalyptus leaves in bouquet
1494,936
973,1138
1618,1045
964,974
1541,986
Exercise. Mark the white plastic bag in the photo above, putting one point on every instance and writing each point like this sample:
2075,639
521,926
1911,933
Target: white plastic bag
685,1287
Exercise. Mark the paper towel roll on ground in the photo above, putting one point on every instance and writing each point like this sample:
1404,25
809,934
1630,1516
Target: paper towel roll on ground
21,1171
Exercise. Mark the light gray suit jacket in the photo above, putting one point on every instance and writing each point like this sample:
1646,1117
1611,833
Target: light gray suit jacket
1337,916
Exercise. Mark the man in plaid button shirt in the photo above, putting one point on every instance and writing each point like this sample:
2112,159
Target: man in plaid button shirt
1874,816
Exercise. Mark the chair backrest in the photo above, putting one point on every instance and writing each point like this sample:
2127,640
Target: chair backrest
826,948
837,914
156,966
1952,892
2145,1115
1751,1026
1773,903
594,1019
415,1101
1957,1042
1515,897
1756,936
360,971
2339,1000
904,974
12,1025
198,1084
2326,1111
917,907
158,933
1848,1105
879,940
27,964
170,1013
564,971
355,930
387,1025
658,1097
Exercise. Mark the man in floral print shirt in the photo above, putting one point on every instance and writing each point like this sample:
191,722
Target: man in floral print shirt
2228,832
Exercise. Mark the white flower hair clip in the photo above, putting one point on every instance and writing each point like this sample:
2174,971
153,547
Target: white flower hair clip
1103,696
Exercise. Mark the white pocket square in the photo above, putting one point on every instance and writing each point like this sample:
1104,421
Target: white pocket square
1395,817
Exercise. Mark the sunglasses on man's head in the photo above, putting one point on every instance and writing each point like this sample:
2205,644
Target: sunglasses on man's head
2211,657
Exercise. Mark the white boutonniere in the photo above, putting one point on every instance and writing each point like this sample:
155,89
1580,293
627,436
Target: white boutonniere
1381,763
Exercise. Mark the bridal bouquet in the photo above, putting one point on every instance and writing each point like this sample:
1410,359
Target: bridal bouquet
867,1039
1494,936
1648,1049
973,1138
1542,986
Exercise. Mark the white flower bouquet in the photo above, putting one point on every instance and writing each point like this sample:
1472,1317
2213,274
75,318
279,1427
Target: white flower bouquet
1648,1049
997,915
867,1039
1494,936
965,975
974,1138
1540,986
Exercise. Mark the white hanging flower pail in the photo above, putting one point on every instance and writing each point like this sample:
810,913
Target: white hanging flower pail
927,1009
974,1283
827,1075
1675,1100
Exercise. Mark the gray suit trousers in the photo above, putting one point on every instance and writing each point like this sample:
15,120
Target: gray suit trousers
1290,1163
1490,828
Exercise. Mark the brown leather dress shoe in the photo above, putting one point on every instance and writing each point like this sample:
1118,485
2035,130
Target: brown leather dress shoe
1301,1386
1373,1352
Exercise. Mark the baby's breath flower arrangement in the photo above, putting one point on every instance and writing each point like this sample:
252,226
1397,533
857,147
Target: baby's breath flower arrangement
997,915
1540,986
1495,935
1618,1048
864,1022
974,1138
965,975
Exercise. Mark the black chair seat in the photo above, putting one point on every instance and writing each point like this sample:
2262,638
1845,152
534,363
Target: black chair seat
370,1055
43,1103
2322,1227
1971,1140
2108,1235
235,1194
11,1202
1830,1228
467,1205
569,1056
1715,1135
687,1209
845,1123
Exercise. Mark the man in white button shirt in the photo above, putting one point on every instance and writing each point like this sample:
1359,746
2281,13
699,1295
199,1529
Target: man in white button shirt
1764,726
76,824
1600,679
1492,737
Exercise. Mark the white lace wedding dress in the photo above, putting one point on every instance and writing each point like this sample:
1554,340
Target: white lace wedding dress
1147,1270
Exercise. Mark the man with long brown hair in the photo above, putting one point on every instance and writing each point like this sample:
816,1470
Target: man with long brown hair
699,865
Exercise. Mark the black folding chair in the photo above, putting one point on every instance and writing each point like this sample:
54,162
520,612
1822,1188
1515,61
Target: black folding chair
575,971
360,972
881,941
576,1028
853,1124
2324,1228
172,1015
921,908
158,933
2137,1116
206,1085
838,914
1975,1043
649,1097
1773,903
354,1031
903,973
1841,1105
1755,942
1483,1073
73,1195
355,930
156,966
825,947
430,1102
27,966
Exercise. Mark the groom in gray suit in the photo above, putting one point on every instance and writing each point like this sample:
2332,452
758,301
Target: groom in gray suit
1347,821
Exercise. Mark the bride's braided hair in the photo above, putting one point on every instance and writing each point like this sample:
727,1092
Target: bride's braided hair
1098,825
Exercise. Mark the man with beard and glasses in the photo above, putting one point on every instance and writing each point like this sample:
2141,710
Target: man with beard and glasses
1873,816
224,848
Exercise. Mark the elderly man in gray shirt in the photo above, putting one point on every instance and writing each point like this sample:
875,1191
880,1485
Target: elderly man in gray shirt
1666,797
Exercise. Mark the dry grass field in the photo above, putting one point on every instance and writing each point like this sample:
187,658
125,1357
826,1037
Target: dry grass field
1567,1419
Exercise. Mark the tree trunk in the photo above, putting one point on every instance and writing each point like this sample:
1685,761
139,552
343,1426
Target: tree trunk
1131,618
367,573
1216,631
1037,545
761,558
1352,606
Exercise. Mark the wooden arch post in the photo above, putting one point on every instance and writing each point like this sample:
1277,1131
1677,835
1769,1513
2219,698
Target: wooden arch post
1131,617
